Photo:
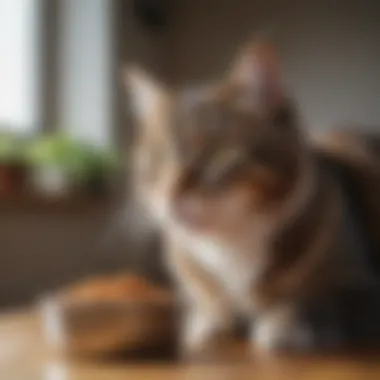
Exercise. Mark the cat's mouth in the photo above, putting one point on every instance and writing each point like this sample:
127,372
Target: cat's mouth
192,213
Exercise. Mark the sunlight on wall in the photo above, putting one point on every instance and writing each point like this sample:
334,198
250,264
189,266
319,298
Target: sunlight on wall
85,71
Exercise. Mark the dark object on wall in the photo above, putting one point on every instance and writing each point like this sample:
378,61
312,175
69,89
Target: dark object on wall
152,14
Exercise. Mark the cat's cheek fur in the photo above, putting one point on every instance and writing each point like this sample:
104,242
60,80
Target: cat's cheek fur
280,329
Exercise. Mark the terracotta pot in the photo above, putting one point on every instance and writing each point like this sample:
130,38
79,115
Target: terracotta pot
12,179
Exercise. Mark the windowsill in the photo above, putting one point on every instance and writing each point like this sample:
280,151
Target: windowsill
41,204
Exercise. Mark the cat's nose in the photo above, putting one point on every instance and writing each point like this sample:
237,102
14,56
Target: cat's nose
190,211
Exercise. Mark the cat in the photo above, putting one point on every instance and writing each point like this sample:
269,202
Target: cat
256,221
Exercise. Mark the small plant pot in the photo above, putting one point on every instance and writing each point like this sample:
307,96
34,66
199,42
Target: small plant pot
12,179
52,181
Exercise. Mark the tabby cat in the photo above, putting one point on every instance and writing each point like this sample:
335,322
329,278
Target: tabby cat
256,221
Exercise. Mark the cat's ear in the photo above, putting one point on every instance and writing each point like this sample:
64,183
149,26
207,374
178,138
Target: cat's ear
257,71
149,99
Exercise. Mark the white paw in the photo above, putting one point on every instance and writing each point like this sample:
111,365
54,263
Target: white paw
198,330
271,335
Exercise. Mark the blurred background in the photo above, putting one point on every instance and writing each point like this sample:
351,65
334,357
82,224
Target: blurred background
64,126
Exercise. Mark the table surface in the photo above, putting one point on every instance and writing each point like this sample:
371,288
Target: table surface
24,357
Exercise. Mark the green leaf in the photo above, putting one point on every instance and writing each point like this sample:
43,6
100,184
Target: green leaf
80,160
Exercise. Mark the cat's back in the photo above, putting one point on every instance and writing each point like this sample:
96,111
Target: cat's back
354,159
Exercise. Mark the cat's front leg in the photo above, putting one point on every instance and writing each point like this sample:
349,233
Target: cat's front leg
280,328
208,319
204,332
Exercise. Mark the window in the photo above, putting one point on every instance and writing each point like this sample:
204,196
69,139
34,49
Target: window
57,69
19,55
86,70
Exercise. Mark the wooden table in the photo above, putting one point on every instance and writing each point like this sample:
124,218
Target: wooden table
24,357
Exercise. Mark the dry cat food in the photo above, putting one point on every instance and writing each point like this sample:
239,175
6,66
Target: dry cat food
128,287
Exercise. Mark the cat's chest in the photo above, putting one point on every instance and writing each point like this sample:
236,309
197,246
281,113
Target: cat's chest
233,269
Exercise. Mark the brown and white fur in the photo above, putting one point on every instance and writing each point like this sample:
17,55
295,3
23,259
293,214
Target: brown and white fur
255,222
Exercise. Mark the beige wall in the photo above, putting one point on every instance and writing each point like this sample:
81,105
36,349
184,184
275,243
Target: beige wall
331,50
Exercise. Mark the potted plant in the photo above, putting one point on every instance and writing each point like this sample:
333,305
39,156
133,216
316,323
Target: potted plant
62,165
95,169
54,159
12,165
